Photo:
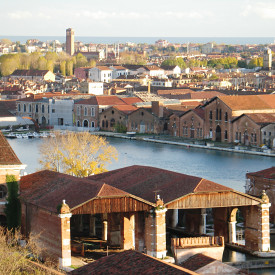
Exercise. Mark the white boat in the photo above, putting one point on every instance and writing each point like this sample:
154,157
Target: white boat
11,135
35,135
18,136
24,136
43,135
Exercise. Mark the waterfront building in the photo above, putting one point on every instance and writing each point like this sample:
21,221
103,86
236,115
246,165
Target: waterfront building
262,180
70,41
132,206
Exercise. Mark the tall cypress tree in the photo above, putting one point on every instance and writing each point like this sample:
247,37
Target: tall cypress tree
13,206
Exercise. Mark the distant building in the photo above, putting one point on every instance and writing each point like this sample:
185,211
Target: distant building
70,41
267,65
33,75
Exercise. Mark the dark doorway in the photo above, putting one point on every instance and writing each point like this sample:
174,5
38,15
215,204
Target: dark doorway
218,134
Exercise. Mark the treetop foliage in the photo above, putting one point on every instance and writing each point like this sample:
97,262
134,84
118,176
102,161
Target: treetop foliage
78,154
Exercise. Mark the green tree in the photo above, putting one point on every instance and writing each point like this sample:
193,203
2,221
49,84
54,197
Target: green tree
42,63
69,67
63,67
13,205
81,61
50,65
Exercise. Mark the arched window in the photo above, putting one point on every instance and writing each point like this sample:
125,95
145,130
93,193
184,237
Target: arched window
220,118
217,114
78,123
85,111
210,115
92,124
85,123
19,107
92,111
43,108
36,108
78,110
107,124
24,107
112,123
30,107
226,116
103,123
3,191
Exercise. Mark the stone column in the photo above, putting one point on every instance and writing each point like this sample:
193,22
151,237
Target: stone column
203,222
105,231
155,231
232,231
128,231
65,215
92,231
264,230
175,217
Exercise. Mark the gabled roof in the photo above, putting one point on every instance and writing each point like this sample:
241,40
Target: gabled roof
197,261
103,68
102,100
266,173
145,182
126,109
131,100
259,118
7,155
249,102
47,189
29,72
130,262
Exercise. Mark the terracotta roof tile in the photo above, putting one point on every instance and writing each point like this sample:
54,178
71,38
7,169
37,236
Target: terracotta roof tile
127,109
145,182
266,173
197,261
7,155
249,102
130,262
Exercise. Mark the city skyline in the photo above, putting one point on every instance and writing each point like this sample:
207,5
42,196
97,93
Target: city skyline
198,18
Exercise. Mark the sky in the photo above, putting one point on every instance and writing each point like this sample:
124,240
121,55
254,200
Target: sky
142,18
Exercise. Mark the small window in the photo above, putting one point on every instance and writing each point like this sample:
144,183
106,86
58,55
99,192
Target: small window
36,108
24,107
85,111
78,110
53,110
19,107
92,111
113,112
43,108
30,107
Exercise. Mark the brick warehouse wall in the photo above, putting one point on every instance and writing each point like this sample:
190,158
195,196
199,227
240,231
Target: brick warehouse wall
45,229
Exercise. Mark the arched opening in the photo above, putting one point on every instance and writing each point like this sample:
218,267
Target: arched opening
236,227
107,124
246,138
218,134
85,123
3,191
92,124
142,127
43,121
78,123
112,122
103,123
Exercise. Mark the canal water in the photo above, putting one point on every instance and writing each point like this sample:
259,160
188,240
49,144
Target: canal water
221,167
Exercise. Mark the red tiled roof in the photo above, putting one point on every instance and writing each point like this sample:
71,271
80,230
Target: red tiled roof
262,118
145,182
266,173
47,189
7,155
102,100
103,68
29,72
131,100
130,262
127,109
197,261
249,102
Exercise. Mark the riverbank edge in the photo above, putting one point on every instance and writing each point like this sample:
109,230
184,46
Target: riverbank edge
187,145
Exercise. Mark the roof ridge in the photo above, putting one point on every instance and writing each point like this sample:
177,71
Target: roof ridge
198,184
